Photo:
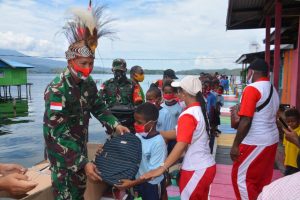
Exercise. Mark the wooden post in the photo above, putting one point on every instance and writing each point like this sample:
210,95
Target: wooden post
278,12
26,92
9,92
15,107
298,78
5,92
267,43
30,91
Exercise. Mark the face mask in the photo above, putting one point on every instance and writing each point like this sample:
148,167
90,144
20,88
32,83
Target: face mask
119,75
169,97
81,73
250,79
140,129
152,102
139,77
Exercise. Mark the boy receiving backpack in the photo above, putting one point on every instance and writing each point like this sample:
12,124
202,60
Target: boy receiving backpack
154,152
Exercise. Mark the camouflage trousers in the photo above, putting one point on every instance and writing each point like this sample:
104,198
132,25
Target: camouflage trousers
68,185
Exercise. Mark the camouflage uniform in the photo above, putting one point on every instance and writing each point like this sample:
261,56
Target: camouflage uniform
67,112
112,92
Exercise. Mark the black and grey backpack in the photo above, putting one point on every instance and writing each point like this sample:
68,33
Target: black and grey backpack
120,158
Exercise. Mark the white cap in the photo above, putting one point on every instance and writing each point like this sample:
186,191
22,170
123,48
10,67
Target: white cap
191,84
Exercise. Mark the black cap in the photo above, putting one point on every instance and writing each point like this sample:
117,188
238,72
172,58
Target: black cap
259,65
170,73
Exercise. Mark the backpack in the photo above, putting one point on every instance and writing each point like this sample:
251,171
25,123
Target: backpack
120,158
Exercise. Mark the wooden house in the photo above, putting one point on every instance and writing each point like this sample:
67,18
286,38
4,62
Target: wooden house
13,73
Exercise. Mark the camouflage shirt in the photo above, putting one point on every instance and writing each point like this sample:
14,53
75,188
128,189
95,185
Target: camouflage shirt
67,112
112,92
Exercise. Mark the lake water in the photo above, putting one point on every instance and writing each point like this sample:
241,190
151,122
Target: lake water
21,137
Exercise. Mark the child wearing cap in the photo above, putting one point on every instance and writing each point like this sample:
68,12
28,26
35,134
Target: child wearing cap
169,75
192,135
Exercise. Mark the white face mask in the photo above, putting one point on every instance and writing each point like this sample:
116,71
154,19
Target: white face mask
250,80
145,134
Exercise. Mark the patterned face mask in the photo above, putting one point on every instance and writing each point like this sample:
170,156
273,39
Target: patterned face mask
81,73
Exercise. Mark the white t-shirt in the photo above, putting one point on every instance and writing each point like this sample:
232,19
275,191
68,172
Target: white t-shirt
191,129
154,153
263,130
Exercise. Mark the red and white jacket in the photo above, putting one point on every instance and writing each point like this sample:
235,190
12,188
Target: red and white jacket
191,129
263,130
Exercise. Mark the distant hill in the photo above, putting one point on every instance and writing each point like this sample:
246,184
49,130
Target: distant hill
228,72
42,65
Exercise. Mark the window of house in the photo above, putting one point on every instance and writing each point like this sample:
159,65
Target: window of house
1,74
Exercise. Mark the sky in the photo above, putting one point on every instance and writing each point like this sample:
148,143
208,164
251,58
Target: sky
155,34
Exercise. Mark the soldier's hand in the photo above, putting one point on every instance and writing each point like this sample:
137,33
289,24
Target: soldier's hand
122,129
92,172
17,184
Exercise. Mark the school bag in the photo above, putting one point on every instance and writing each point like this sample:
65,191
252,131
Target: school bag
120,158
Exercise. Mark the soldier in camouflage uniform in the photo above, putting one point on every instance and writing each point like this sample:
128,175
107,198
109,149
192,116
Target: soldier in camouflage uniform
69,100
119,92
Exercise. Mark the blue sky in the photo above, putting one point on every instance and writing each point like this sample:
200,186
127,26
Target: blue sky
146,29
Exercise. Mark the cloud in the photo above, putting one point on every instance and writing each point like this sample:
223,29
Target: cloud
174,29
28,44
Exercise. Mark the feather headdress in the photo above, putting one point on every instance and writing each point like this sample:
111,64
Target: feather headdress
84,30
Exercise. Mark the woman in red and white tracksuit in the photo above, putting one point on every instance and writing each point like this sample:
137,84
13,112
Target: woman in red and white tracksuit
198,168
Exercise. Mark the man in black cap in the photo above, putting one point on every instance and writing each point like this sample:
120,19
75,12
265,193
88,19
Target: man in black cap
169,74
254,147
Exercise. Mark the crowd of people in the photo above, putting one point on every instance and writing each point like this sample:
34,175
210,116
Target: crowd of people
176,121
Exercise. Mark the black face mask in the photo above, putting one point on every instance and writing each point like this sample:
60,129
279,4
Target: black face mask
120,75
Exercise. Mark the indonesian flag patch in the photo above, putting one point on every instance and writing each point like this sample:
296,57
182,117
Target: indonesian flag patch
55,106
102,87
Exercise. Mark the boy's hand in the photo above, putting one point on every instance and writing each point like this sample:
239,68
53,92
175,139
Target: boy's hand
100,149
122,129
92,172
125,184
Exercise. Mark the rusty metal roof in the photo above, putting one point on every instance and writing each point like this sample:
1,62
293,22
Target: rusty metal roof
250,14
